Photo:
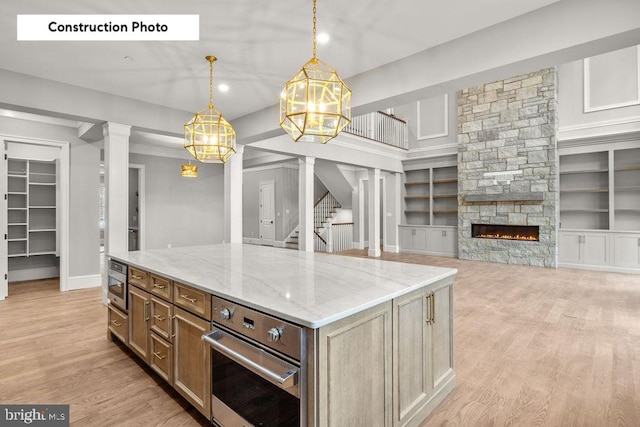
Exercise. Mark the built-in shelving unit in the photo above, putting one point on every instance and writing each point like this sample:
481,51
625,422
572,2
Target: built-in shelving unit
626,178
584,191
32,206
431,196
600,209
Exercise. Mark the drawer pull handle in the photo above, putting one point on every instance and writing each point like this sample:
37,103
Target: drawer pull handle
160,318
188,298
116,323
155,285
159,355
137,277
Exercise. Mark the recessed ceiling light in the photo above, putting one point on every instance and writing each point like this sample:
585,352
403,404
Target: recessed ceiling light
323,38
128,58
223,87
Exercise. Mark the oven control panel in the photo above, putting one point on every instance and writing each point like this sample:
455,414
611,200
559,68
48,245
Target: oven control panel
265,329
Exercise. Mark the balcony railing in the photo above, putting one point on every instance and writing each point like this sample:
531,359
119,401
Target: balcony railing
381,127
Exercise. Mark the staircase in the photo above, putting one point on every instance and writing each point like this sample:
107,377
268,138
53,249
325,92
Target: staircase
324,213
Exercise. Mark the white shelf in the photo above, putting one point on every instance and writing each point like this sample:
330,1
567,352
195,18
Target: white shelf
32,211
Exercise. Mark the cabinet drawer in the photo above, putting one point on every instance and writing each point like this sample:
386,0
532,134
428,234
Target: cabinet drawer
160,317
118,324
161,357
138,277
160,286
193,300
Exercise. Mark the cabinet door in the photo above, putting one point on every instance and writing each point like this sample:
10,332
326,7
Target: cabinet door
139,322
160,357
354,370
441,334
569,247
411,377
420,239
627,251
192,360
406,238
596,248
450,241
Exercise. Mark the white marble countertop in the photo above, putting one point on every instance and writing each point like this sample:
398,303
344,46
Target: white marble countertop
310,289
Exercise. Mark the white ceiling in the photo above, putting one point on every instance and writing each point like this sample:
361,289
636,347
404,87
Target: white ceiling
260,44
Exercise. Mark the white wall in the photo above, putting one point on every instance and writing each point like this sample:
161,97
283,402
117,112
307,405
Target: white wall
181,211
285,179
617,74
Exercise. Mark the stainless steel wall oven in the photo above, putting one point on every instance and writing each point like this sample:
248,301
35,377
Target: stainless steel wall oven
258,372
117,284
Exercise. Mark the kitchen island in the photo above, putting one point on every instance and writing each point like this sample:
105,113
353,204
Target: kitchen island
377,336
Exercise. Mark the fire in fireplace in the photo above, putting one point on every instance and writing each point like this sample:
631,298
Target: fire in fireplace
506,232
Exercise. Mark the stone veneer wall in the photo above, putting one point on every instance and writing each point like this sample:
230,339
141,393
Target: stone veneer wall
503,126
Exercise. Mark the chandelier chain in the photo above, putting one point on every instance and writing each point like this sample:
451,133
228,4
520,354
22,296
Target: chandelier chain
210,84
314,29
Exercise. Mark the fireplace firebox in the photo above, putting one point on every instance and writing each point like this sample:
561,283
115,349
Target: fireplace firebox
506,232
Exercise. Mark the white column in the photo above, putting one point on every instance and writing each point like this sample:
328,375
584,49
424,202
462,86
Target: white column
116,176
233,197
305,203
393,238
374,212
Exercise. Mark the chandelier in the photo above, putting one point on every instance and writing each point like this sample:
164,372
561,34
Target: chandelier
315,104
208,136
189,171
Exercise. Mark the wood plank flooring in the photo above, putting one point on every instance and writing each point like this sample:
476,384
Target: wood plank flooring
534,347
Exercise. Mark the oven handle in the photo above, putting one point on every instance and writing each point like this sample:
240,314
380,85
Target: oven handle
284,381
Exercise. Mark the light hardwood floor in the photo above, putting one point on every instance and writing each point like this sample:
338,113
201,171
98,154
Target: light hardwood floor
534,346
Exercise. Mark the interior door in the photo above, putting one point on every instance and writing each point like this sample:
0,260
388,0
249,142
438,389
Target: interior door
267,213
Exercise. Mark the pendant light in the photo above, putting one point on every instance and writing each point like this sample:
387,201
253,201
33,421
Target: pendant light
208,136
315,104
190,171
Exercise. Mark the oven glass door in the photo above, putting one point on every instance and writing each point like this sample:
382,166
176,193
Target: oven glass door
116,286
250,396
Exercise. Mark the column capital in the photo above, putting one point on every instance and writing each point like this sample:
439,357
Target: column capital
112,129
306,160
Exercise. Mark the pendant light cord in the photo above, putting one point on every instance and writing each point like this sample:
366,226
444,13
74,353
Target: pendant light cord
314,29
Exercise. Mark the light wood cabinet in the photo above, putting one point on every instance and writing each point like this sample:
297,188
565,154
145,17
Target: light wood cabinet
354,370
423,371
139,322
389,365
192,360
193,300
118,324
166,336
161,357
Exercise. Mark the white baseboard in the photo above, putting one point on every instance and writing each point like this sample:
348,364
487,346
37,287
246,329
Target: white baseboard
279,244
391,248
357,245
33,274
84,282
251,240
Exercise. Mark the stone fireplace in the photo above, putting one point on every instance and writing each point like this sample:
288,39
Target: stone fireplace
507,170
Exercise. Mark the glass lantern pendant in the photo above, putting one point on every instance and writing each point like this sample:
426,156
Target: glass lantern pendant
208,136
315,104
